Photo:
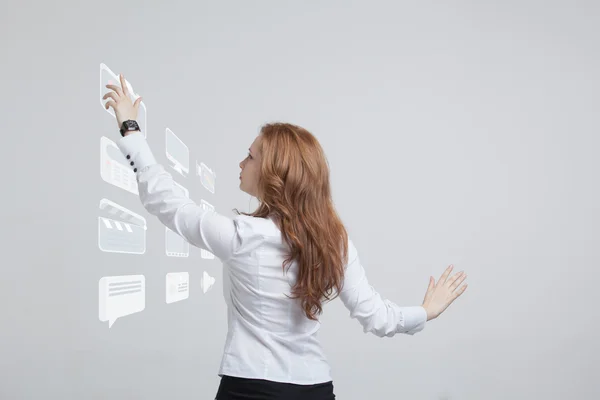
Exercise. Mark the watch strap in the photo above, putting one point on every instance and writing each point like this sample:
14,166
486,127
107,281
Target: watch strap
129,125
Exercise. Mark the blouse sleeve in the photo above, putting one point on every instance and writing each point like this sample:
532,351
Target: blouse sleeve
377,315
201,227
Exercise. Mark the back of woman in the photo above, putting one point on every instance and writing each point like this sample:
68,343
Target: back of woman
270,336
280,263
289,255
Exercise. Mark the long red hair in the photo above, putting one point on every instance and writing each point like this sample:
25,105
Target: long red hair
293,187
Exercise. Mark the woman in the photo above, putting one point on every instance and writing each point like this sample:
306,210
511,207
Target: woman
280,262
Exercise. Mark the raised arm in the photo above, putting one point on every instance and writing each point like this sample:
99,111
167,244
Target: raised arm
203,228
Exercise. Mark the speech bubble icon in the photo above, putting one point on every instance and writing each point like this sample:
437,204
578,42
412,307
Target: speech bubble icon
120,296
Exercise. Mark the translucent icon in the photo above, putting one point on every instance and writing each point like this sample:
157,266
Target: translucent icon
206,282
178,286
177,153
207,176
175,245
205,254
107,77
120,296
114,168
206,205
185,192
120,230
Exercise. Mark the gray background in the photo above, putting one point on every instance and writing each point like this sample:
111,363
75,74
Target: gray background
457,132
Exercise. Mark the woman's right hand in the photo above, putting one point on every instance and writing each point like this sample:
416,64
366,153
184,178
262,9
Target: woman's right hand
439,296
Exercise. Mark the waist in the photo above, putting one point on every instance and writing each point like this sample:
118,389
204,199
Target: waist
235,387
258,354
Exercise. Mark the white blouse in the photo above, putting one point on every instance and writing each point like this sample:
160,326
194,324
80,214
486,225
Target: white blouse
268,337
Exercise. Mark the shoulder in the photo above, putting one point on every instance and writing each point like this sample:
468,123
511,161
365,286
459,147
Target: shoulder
252,233
249,226
255,224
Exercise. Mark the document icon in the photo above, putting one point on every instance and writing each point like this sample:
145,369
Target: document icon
175,245
114,168
205,253
178,286
107,77
120,230
207,176
120,296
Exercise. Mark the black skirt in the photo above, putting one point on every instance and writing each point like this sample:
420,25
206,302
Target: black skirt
235,388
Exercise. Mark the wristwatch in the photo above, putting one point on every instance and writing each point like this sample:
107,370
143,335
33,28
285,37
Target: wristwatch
129,125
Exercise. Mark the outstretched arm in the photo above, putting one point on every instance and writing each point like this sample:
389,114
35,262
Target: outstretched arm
379,316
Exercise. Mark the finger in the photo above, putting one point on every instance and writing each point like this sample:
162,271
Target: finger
110,103
137,103
112,95
124,85
116,89
429,289
460,291
444,276
453,278
456,281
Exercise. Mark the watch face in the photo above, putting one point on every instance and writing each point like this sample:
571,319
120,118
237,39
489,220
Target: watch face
131,125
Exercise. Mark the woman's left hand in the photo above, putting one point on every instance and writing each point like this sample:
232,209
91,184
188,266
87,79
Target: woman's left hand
122,105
